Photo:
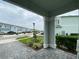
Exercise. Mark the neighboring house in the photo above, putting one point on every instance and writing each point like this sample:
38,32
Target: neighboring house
67,24
4,28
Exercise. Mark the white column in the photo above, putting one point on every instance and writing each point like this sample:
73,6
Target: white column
49,32
77,49
52,32
46,25
77,46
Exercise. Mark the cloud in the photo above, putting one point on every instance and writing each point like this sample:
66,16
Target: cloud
12,14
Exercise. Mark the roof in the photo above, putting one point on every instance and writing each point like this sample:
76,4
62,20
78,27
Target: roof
70,16
13,25
47,7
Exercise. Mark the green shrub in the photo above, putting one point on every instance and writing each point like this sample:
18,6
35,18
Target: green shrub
39,39
37,45
67,41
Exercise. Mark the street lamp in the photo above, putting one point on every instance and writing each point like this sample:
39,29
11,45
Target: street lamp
34,33
33,26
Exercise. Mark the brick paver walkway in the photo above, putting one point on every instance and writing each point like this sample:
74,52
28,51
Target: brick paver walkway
17,50
52,54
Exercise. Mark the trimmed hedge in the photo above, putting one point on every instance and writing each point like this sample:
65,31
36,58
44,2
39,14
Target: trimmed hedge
67,42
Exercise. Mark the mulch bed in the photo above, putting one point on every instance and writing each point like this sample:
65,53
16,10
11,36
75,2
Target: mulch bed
36,49
67,50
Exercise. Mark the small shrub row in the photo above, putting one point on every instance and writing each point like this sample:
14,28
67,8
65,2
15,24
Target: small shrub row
67,42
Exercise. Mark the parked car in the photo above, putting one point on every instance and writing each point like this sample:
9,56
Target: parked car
11,32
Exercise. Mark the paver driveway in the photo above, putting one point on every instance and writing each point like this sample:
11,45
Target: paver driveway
16,50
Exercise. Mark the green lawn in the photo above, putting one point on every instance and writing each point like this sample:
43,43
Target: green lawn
25,40
29,41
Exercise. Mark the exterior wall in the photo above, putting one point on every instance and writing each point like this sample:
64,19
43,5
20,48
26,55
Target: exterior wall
13,28
4,27
8,27
69,24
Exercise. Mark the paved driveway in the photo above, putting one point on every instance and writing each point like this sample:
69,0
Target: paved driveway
15,50
12,49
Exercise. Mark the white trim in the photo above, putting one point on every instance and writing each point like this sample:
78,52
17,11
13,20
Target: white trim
53,45
45,45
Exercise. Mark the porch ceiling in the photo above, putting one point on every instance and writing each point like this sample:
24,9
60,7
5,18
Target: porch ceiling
47,7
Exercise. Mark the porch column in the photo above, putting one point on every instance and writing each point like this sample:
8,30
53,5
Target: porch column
77,49
49,32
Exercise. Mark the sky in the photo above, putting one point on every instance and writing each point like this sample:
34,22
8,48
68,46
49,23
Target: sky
15,15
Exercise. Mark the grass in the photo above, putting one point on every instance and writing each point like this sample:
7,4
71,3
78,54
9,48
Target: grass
25,40
28,41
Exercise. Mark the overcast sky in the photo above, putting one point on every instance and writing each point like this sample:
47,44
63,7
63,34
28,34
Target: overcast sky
12,14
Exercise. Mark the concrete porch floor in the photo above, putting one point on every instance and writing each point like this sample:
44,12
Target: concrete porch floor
17,50
53,54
